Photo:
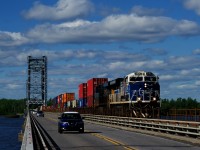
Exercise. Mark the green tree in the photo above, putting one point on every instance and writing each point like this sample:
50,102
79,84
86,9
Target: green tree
12,106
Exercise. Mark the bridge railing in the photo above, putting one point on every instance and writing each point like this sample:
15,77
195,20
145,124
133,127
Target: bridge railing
183,128
27,143
168,126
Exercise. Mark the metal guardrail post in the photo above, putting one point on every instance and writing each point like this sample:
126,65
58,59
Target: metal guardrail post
27,143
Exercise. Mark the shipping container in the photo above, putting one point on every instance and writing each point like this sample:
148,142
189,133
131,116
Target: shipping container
90,101
69,104
64,98
82,102
68,97
82,90
65,105
96,99
73,103
93,83
59,98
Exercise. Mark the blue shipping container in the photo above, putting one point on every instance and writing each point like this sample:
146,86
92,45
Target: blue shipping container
82,102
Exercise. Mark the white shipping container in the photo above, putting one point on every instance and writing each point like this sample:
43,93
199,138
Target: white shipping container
73,103
68,104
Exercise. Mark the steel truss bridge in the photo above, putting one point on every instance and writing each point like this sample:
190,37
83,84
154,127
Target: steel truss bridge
36,88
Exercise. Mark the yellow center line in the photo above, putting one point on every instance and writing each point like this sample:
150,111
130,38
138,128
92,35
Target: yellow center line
112,141
105,138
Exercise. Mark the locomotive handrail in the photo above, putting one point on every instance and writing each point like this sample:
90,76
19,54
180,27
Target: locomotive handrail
167,126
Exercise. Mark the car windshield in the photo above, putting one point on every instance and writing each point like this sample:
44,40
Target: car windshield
71,116
39,112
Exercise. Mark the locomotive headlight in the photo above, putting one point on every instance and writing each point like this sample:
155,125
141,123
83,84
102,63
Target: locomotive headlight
154,98
145,85
138,98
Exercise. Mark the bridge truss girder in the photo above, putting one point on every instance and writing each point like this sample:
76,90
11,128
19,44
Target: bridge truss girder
37,81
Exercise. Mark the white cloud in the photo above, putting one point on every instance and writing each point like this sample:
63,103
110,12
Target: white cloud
143,11
88,63
167,77
186,86
114,28
12,38
193,5
197,83
63,9
196,51
13,86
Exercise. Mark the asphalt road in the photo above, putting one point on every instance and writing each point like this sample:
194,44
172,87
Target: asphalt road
106,138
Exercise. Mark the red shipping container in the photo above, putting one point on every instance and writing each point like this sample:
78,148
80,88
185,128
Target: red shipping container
82,91
90,101
93,83
60,99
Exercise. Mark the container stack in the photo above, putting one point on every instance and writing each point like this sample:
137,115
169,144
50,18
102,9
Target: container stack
68,99
82,95
91,90
114,88
64,100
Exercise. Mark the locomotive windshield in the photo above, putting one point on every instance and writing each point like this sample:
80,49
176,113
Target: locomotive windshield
136,78
150,79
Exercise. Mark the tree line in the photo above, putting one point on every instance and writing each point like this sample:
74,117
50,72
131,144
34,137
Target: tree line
180,103
11,106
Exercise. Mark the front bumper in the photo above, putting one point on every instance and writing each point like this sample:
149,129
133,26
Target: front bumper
71,126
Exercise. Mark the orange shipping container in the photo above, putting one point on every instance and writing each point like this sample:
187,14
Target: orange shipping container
64,97
68,97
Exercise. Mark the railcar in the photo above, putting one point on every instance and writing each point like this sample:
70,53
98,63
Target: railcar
140,91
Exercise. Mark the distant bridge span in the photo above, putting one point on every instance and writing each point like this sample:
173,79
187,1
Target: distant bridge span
37,80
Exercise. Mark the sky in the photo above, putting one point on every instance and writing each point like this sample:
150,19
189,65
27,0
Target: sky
85,39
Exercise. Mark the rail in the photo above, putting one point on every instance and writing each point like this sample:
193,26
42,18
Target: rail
182,128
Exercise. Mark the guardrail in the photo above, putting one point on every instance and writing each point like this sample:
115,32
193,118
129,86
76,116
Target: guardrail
27,143
168,126
35,136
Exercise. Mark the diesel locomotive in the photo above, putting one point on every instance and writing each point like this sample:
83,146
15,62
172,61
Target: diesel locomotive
138,91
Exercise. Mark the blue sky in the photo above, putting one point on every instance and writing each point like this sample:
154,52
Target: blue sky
108,38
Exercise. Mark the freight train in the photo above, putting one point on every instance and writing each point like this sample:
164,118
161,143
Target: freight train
137,92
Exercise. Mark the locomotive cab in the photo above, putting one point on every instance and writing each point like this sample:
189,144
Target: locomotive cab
142,87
